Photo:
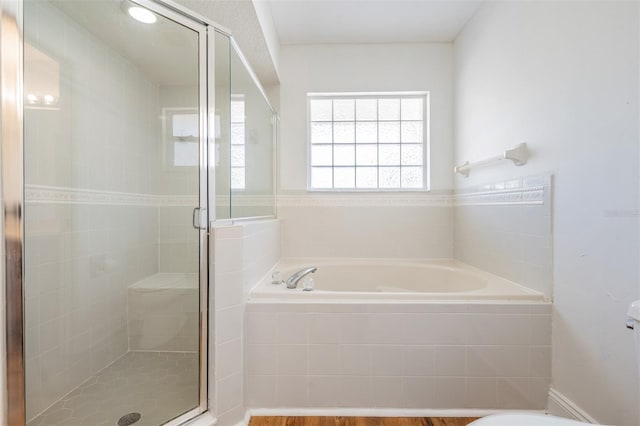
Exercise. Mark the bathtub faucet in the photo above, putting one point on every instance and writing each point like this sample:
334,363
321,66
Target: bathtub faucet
292,281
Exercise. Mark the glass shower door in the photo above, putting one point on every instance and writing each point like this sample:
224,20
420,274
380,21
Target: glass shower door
115,242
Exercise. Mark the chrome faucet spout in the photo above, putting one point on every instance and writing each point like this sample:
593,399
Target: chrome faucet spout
292,281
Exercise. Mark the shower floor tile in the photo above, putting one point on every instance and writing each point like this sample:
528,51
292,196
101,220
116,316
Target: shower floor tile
158,385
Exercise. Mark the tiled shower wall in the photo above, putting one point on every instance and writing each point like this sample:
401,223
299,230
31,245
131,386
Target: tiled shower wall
178,242
79,261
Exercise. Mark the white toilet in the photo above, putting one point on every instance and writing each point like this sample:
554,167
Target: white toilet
534,419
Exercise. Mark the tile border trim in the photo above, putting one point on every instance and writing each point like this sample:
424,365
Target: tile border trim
42,194
523,191
532,190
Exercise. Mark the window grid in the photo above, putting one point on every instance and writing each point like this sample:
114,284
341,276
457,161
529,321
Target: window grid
238,146
406,171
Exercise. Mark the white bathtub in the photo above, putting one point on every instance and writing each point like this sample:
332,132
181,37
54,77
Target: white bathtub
349,279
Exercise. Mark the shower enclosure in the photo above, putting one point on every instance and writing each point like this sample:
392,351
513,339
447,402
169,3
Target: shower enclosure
138,125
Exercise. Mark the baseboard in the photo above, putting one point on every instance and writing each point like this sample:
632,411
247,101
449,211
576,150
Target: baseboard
560,405
378,412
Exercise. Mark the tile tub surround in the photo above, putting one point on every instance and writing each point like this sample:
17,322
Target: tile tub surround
398,355
163,312
505,228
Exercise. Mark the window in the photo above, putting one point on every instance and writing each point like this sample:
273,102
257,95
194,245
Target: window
181,136
367,141
238,151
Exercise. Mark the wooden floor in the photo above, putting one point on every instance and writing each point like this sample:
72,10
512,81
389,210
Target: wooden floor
361,421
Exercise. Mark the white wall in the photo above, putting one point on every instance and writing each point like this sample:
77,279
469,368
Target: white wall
563,77
362,68
310,230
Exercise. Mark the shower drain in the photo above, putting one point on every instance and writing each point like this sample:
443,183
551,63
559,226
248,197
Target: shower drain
129,419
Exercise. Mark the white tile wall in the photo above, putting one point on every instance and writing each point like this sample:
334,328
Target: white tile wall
512,241
308,354
367,231
76,296
243,253
178,242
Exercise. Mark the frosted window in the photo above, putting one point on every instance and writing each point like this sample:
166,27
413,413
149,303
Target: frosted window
367,132
238,140
344,155
367,177
321,155
237,155
411,155
389,132
389,155
237,111
321,177
344,109
321,110
321,133
389,177
183,132
237,133
185,154
344,177
344,132
389,109
366,155
367,141
237,177
366,109
185,125
411,131
411,177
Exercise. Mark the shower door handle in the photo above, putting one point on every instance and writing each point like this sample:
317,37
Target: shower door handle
199,218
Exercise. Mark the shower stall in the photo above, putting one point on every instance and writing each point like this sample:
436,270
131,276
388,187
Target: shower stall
128,129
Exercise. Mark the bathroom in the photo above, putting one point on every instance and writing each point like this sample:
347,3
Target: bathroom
157,178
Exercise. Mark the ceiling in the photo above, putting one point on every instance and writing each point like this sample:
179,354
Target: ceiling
370,21
165,51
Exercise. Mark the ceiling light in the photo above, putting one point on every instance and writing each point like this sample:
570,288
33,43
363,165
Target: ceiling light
139,13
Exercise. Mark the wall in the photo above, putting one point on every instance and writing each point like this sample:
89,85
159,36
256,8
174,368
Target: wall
563,77
507,230
313,228
243,253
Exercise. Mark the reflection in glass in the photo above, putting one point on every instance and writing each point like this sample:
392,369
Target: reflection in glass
252,182
220,155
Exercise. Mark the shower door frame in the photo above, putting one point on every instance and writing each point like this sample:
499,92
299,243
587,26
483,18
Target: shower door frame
12,365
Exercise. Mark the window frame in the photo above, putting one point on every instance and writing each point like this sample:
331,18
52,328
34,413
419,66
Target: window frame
426,139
